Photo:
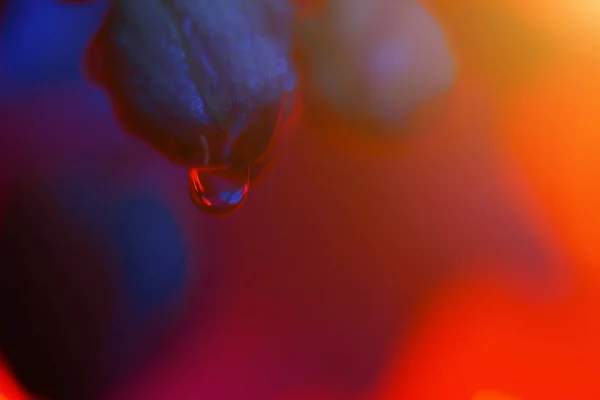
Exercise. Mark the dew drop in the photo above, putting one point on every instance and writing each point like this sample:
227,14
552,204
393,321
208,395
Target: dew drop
219,191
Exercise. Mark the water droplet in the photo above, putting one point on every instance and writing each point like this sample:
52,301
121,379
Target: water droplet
221,187
219,191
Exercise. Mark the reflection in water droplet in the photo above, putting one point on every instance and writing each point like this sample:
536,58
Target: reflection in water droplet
219,191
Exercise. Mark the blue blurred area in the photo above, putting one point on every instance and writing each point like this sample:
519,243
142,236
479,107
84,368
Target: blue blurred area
147,239
43,40
62,144
151,249
42,44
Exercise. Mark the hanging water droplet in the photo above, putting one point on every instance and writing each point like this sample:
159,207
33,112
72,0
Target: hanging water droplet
219,191
221,188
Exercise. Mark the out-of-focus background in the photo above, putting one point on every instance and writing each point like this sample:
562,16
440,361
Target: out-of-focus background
456,259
